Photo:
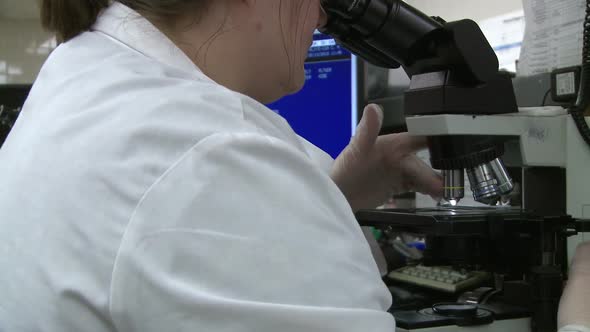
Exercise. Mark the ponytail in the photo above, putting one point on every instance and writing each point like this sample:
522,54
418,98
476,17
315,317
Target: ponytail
69,18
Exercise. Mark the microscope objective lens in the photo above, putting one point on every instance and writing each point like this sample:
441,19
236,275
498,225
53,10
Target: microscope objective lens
454,185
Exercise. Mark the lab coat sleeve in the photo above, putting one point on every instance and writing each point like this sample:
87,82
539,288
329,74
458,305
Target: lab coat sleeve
245,233
321,158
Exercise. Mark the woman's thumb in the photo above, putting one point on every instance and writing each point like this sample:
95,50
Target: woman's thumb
368,129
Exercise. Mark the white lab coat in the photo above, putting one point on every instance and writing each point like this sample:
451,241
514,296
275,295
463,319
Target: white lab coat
136,194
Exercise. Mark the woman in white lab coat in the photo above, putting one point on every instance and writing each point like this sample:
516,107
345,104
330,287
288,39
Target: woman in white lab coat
145,187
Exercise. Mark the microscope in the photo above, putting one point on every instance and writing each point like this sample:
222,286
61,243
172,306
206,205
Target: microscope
527,168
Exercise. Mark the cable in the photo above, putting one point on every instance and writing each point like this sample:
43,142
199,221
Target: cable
579,109
544,103
580,121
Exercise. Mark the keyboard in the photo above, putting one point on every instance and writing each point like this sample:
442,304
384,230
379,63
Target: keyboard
442,278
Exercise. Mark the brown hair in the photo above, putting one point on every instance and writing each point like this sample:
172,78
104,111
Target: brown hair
69,18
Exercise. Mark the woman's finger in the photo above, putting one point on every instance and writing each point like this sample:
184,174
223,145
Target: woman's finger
422,177
368,129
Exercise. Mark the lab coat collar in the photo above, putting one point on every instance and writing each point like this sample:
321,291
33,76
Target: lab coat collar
133,30
128,27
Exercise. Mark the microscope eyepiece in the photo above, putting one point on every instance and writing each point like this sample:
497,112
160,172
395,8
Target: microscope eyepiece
386,33
345,8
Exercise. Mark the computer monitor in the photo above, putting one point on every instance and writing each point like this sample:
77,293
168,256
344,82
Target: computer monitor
325,111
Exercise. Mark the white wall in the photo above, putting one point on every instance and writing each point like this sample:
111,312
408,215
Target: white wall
24,46
476,10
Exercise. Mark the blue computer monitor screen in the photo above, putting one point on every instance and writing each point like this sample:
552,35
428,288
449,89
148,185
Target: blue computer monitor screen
325,111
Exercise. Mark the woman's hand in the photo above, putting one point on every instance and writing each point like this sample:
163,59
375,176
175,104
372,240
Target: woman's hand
372,168
574,308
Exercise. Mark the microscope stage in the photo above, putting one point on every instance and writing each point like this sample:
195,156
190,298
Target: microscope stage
444,220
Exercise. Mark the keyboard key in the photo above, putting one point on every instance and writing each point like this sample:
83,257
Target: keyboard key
440,278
